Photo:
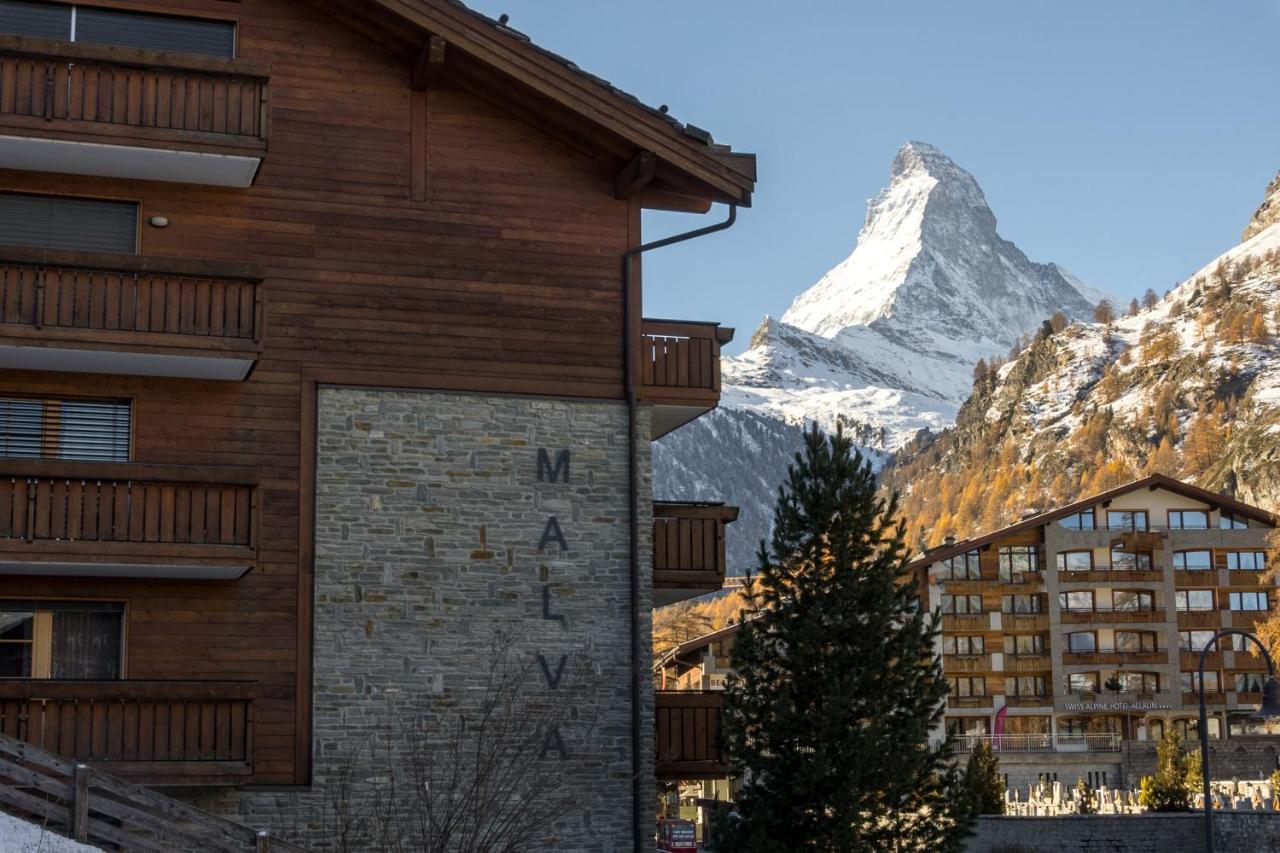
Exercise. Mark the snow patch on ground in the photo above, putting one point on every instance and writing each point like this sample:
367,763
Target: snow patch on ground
18,836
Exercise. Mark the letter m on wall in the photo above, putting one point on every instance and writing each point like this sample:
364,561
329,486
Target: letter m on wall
547,472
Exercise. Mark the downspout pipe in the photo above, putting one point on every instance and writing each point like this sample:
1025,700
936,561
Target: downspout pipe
630,335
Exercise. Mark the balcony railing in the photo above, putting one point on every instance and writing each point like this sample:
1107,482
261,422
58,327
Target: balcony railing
687,729
689,549
155,732
95,512
1116,656
62,92
680,370
1111,574
88,311
1041,743
1112,614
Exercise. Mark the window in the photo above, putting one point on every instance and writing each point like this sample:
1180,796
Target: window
1017,560
1075,561
1244,724
1077,601
1188,519
64,429
1078,521
1127,519
1191,682
1249,561
1192,561
967,687
1194,641
963,646
1227,521
961,604
1135,641
962,567
1131,600
63,640
1248,601
1082,682
76,224
1024,644
1082,641
1131,560
1021,604
117,27
1238,643
1249,682
1193,599
1134,682
975,726
1026,685
1189,728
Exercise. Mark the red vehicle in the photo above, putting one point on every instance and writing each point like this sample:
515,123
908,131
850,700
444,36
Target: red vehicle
677,836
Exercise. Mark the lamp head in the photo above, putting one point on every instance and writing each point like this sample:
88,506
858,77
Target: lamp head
1270,709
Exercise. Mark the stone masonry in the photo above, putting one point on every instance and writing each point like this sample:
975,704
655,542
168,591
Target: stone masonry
436,532
1234,832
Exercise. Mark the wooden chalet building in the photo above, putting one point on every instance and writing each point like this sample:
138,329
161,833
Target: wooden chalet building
322,357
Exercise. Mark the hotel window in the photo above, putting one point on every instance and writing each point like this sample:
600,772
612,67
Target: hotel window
1021,604
32,428
1193,561
968,686
1193,599
963,646
1227,521
1078,601
1018,560
1135,641
1079,521
1082,642
1131,560
1195,641
1025,685
1075,561
1082,682
1132,600
61,639
1245,724
961,604
1250,682
1024,644
1248,601
1188,519
962,567
117,27
1136,682
975,726
1189,728
64,223
1191,682
1250,561
1127,519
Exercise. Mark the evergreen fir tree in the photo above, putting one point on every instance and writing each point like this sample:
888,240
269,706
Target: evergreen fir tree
836,686
984,788
1167,790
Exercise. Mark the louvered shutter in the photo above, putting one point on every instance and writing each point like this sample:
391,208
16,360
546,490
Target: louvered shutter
93,430
21,425
35,20
155,32
80,224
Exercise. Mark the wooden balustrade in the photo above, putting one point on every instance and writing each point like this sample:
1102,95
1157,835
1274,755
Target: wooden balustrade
689,548
687,728
159,732
679,367
136,96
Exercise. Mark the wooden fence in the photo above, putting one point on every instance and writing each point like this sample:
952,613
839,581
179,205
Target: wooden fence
687,730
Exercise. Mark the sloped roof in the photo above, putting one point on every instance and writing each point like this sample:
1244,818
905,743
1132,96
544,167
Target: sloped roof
1153,481
697,643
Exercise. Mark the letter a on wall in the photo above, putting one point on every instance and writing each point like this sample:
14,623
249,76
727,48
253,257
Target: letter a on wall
553,533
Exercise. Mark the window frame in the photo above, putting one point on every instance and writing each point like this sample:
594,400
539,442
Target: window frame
1071,645
1182,553
1065,597
1236,600
1259,558
44,610
1008,604
1232,521
1134,527
1006,559
1064,563
1039,648
1079,516
50,437
969,645
73,29
1186,593
972,568
1181,523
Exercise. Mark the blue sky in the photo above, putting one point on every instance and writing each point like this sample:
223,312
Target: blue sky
1128,141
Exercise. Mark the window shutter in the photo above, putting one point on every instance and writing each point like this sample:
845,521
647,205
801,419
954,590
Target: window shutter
21,424
93,430
78,224
155,32
35,20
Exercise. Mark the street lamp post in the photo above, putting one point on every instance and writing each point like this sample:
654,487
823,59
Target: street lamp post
1269,710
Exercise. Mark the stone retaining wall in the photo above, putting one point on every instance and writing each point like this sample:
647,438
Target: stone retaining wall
1234,832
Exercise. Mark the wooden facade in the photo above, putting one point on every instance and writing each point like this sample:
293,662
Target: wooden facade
409,227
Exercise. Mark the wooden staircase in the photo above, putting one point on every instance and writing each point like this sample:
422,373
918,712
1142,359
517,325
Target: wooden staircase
96,808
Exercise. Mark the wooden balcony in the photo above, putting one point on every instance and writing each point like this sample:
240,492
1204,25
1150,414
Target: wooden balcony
117,112
680,370
1027,663
1190,661
127,314
95,519
152,732
1199,619
969,702
963,664
687,730
1112,616
1116,658
1024,621
954,622
1111,576
688,549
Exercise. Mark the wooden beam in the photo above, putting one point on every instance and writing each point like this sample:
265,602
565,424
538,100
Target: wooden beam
428,65
635,176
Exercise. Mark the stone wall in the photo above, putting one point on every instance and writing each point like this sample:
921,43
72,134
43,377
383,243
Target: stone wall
445,521
1234,832
1241,758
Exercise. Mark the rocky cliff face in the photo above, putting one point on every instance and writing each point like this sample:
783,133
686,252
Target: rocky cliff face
1267,214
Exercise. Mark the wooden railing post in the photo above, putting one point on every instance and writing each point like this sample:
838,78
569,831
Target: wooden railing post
79,811
264,841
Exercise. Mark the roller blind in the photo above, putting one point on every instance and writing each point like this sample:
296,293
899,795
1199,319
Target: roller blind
95,430
35,20
117,27
58,222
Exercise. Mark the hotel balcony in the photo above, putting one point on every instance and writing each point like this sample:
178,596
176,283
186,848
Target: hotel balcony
1188,619
125,520
1041,743
126,314
1111,575
687,731
966,622
688,549
86,109
1027,663
1116,657
152,732
680,370
963,664
1112,615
